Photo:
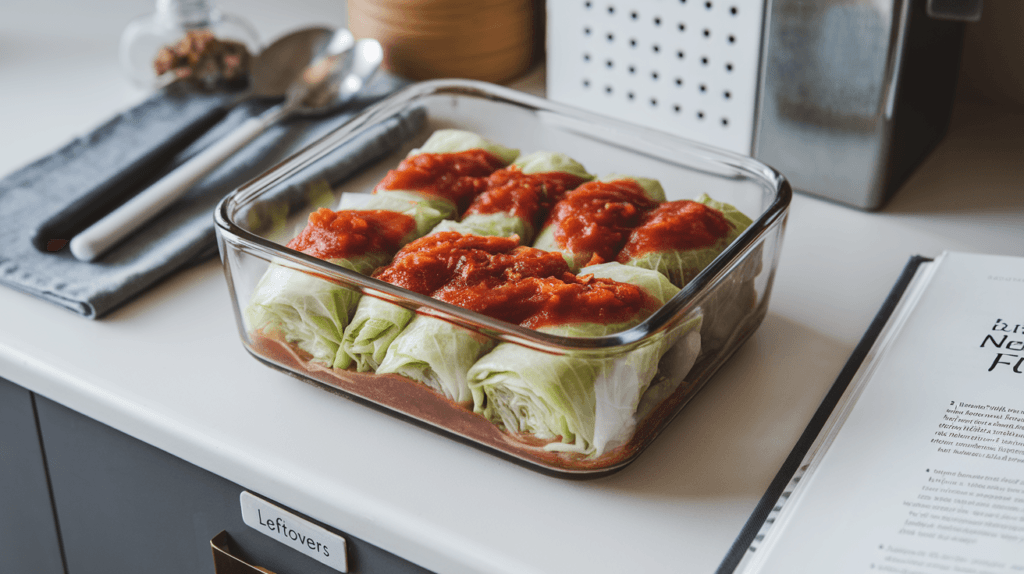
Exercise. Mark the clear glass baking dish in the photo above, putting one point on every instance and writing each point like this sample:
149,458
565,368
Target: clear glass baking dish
729,297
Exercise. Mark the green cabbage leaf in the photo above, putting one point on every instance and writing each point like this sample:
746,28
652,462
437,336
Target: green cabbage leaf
682,265
551,162
454,141
374,326
427,210
582,403
489,224
306,310
438,354
652,187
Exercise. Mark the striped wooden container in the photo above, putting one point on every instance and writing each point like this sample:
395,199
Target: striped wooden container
490,40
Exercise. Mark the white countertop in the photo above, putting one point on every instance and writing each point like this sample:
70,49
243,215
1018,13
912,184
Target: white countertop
169,368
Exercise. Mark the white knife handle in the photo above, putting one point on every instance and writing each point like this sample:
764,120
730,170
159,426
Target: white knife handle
98,238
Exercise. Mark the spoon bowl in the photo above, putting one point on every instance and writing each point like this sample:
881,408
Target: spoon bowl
283,62
332,81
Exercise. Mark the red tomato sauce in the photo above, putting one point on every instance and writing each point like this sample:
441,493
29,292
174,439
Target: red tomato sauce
535,302
428,263
676,225
455,176
526,196
342,234
520,285
597,217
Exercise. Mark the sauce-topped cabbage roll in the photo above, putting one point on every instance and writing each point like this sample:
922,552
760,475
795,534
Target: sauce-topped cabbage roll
591,223
680,238
517,199
443,175
491,275
582,404
310,311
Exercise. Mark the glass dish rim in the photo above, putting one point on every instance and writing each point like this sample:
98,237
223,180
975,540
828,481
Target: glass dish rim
674,309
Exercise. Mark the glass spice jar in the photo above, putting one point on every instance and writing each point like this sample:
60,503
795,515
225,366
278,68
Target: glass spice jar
187,39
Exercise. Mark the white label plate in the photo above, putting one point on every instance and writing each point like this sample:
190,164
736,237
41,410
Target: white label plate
298,533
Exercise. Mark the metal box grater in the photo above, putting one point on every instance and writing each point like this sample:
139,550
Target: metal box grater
844,97
687,67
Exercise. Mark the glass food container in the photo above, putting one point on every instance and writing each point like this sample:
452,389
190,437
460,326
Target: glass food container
628,385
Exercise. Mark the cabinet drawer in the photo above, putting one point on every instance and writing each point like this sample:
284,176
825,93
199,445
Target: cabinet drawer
126,506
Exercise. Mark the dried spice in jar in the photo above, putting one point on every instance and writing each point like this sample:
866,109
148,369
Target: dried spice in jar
202,57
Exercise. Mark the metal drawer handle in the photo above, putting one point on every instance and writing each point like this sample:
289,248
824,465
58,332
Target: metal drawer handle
226,563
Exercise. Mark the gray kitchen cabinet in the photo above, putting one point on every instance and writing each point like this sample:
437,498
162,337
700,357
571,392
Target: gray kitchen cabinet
124,506
28,532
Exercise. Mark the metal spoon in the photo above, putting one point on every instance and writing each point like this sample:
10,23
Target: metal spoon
330,80
272,70
282,63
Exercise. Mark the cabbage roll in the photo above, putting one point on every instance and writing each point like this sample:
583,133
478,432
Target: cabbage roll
591,223
446,173
517,199
583,404
310,311
680,238
492,276
438,354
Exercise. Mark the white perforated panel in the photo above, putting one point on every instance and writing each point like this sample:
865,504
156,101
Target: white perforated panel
689,67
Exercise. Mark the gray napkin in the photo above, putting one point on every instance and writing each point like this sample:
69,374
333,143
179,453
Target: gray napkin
184,234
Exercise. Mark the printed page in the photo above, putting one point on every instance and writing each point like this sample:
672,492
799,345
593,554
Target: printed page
927,473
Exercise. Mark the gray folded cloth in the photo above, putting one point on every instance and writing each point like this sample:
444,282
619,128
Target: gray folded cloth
184,234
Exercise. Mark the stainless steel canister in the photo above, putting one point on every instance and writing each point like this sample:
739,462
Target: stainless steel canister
855,93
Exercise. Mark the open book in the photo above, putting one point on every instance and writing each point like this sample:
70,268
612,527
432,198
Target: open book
915,461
